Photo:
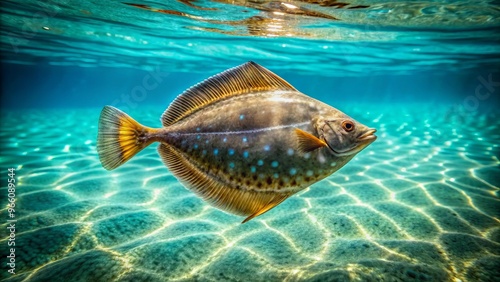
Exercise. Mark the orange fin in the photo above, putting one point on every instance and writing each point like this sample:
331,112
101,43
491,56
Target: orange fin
240,80
274,202
215,191
308,142
119,137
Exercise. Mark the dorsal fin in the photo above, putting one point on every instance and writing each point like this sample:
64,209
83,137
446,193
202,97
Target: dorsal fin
246,78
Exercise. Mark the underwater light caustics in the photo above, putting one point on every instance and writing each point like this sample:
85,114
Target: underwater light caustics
244,140
275,18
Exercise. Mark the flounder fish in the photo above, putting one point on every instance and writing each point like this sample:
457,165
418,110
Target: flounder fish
243,140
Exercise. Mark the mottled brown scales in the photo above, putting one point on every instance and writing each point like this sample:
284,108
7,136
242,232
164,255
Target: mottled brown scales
243,140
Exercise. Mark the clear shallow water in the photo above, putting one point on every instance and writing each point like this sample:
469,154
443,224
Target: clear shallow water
331,39
419,204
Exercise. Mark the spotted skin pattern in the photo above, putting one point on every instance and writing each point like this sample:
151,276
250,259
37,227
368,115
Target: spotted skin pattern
249,142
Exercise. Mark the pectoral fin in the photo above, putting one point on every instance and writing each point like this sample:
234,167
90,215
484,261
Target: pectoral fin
308,142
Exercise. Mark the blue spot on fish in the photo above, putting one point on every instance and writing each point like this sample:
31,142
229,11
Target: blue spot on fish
231,165
195,146
276,175
245,139
253,169
309,173
242,117
267,148
293,171
274,164
204,152
289,152
198,137
198,129
224,140
245,154
231,152
216,152
260,162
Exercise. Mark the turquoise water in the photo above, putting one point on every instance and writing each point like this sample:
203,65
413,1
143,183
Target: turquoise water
419,204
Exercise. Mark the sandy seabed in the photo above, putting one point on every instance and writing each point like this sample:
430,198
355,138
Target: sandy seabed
420,204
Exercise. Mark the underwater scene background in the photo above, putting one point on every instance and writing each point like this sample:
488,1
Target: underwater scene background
419,204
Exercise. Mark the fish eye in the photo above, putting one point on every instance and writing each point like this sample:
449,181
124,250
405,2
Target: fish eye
348,125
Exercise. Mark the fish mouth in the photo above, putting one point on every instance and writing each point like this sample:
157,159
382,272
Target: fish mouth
368,136
364,140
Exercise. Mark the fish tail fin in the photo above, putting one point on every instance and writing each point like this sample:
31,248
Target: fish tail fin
120,137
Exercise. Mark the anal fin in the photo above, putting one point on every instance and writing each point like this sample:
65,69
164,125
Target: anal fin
274,202
216,191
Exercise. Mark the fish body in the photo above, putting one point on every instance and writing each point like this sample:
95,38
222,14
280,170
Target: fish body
249,142
244,140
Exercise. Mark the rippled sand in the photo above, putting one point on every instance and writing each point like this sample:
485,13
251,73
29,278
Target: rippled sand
419,204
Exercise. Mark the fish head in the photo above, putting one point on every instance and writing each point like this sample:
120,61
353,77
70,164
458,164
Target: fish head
344,135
